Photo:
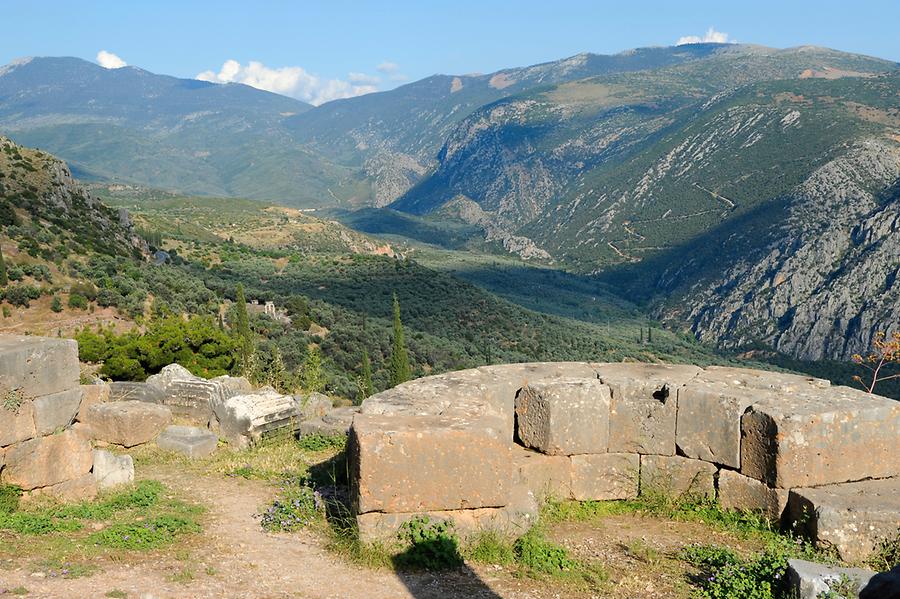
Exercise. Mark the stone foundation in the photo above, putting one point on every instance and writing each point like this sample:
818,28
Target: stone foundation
454,446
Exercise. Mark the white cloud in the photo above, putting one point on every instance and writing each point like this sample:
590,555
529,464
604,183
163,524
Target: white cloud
295,82
391,70
711,36
108,60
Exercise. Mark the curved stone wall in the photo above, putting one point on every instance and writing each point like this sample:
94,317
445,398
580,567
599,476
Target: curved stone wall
485,446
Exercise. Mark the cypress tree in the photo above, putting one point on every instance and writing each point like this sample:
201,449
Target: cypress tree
3,278
365,385
313,380
242,330
399,370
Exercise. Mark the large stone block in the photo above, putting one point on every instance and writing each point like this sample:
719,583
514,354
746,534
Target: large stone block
111,470
835,435
428,463
312,406
545,476
677,476
127,423
605,476
564,416
47,461
336,422
16,424
244,419
644,405
189,441
83,488
90,395
851,517
510,521
711,404
128,391
38,366
739,492
189,395
52,412
809,580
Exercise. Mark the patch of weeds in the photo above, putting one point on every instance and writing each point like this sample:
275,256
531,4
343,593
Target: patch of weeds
724,574
9,498
490,547
28,523
13,400
641,551
343,539
318,442
887,554
145,493
56,568
210,571
431,544
841,588
18,591
116,594
542,557
296,507
185,576
150,534
582,511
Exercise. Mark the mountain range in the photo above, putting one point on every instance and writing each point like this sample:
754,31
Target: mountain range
747,194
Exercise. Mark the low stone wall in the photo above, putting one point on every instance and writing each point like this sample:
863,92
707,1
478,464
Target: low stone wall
485,446
39,400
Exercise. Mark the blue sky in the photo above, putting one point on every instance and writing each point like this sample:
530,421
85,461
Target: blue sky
319,50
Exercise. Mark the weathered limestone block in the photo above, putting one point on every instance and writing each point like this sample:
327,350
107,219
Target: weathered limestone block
52,412
189,441
127,423
16,425
710,407
47,461
428,463
244,419
38,366
380,526
851,517
605,476
83,488
335,422
127,391
544,476
111,470
835,435
190,395
809,580
90,395
312,406
739,492
644,405
564,416
676,475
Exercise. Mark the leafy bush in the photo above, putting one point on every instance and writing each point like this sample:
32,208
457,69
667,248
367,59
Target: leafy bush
9,498
431,545
725,575
540,555
21,295
56,304
78,301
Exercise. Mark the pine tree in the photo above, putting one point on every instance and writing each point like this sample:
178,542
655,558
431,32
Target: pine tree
399,369
312,378
365,385
3,278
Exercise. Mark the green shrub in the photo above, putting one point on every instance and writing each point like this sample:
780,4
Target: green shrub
318,442
56,304
9,498
431,545
78,301
536,553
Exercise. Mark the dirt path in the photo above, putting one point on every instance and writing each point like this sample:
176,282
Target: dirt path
234,557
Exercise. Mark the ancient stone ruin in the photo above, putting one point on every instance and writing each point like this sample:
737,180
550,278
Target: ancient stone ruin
485,446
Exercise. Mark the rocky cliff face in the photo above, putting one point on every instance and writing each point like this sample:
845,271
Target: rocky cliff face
46,205
827,280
